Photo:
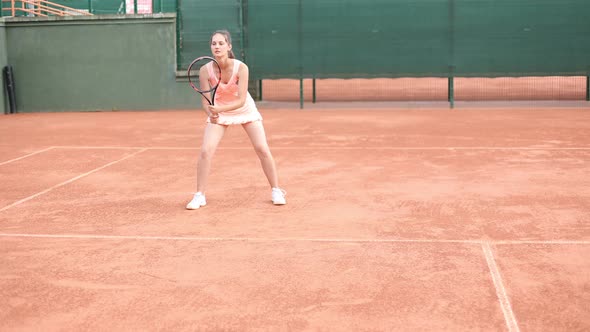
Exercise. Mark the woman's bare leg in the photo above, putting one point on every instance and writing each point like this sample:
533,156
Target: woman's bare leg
257,136
211,138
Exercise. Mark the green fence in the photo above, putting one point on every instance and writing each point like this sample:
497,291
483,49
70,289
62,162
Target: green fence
385,38
400,38
521,37
408,38
198,19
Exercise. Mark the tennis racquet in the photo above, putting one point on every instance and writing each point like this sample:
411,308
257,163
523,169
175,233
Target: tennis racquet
204,87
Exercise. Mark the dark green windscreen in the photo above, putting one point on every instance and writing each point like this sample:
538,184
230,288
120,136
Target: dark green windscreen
348,38
385,38
199,19
522,37
397,38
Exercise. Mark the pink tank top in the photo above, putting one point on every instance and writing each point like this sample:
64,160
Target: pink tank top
227,93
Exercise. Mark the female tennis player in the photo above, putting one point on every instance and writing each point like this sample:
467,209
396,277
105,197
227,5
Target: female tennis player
233,105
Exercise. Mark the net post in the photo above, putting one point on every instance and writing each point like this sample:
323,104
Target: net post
300,49
178,37
313,90
242,22
588,88
301,93
90,6
260,89
124,7
451,89
134,6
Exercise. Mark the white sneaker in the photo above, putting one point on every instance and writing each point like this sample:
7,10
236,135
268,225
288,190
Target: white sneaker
278,196
198,201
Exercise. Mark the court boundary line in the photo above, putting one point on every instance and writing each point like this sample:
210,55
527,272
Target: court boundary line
505,305
286,239
27,155
401,148
549,242
69,181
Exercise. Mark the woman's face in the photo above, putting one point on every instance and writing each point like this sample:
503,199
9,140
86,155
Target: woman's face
219,46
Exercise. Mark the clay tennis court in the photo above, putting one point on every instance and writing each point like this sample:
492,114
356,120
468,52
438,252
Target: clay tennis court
397,219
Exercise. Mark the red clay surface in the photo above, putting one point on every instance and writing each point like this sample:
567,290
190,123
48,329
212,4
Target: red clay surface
397,219
550,279
180,285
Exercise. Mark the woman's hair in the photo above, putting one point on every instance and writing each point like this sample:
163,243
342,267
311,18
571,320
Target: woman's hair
227,37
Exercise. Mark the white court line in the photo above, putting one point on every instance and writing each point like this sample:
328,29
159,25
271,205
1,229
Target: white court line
231,239
511,322
280,239
557,242
69,181
26,156
401,148
101,147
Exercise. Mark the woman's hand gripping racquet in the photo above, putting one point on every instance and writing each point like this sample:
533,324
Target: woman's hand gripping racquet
200,81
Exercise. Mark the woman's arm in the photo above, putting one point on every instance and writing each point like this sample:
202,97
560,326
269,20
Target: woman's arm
242,92
204,84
